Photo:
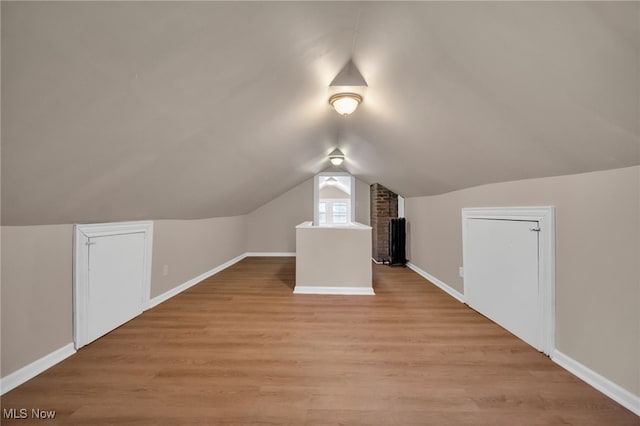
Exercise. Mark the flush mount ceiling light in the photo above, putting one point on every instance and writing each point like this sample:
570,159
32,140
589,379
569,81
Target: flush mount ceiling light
345,103
346,89
336,157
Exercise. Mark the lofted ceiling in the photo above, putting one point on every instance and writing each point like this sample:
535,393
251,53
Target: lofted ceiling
170,110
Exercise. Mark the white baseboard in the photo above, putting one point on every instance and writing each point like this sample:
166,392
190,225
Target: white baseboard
355,291
376,262
448,289
604,385
269,254
182,287
30,371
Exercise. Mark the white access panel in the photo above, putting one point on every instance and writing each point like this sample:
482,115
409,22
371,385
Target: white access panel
111,276
116,275
501,275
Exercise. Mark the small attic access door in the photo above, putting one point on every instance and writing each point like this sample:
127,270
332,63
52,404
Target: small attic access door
112,268
508,256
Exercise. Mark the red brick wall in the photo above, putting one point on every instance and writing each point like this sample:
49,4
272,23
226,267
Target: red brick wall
384,205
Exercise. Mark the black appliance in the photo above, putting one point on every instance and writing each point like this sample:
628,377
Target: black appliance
397,242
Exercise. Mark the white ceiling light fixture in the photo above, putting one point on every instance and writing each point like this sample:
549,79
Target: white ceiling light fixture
336,157
346,89
345,103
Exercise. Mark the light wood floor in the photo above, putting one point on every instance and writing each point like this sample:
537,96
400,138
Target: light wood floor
240,348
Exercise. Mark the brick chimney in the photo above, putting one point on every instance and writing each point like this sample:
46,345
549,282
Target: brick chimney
384,206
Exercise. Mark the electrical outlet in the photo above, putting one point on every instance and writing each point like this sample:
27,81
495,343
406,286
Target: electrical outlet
165,270
461,272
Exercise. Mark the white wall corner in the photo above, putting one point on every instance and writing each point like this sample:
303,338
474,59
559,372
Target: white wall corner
443,286
193,281
601,383
30,371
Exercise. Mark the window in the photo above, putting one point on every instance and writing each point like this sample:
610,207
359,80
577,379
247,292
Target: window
334,198
334,211
340,211
323,212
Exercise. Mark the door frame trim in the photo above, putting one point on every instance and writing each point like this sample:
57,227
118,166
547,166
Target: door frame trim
81,235
545,216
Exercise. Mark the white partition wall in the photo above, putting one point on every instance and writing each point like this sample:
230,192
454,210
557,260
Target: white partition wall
333,260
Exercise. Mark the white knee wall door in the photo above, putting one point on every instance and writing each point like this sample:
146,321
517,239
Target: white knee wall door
508,270
111,277
501,275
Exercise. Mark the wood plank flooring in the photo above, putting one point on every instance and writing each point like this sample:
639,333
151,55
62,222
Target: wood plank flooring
241,349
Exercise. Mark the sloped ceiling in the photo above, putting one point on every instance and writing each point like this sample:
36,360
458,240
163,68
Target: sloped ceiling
156,110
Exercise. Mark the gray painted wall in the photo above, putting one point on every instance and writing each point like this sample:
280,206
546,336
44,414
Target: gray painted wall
36,292
37,296
597,253
192,247
271,227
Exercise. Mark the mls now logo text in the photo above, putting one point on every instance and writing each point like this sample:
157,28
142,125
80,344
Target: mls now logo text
23,413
